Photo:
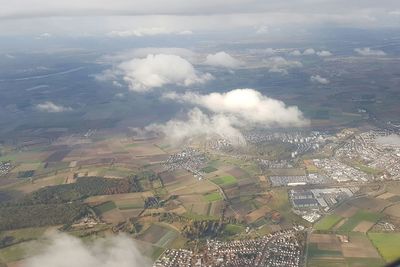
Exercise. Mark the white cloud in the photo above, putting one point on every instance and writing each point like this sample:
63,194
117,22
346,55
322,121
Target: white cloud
140,32
44,35
278,70
319,79
50,107
281,65
267,51
324,53
262,29
185,32
145,51
366,51
154,71
295,53
395,13
117,84
226,114
198,124
66,251
309,52
222,59
248,105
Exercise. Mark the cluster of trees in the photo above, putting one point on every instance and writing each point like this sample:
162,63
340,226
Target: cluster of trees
83,188
132,226
201,229
21,216
6,241
152,202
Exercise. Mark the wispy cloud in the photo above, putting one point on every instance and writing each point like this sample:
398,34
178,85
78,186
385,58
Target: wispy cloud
319,79
281,65
140,32
366,51
50,107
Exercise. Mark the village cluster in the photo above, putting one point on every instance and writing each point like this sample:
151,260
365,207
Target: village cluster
281,248
5,167
304,142
189,159
379,150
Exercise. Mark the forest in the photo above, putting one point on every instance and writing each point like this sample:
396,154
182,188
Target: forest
84,187
14,217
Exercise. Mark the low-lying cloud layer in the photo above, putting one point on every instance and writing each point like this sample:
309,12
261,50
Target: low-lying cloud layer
366,51
310,52
66,251
324,53
199,124
140,32
50,107
154,71
226,113
222,59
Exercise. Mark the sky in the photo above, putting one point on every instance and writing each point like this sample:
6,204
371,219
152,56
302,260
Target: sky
161,70
122,18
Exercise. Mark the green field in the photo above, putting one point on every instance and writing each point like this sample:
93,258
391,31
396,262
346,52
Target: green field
225,180
129,206
388,244
349,262
18,251
360,216
234,229
25,233
132,145
214,196
159,235
364,168
169,237
365,262
315,252
104,207
327,222
209,169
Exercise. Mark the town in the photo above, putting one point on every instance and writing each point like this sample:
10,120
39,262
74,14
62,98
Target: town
283,248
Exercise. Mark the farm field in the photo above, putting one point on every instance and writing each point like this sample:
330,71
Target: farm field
226,180
388,245
159,235
18,252
328,222
234,229
330,250
361,216
214,196
104,207
209,169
